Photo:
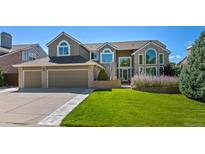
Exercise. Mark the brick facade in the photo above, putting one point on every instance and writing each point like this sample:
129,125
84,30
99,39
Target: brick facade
7,62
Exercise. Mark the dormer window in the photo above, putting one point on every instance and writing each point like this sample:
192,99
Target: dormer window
63,48
107,56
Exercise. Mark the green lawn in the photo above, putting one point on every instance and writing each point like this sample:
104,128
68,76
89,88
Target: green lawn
125,107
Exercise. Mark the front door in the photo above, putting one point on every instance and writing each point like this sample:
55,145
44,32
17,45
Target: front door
125,75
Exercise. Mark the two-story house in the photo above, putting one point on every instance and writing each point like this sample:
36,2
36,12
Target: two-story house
15,54
71,63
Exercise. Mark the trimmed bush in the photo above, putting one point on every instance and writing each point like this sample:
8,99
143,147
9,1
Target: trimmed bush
155,83
1,78
192,77
103,75
172,70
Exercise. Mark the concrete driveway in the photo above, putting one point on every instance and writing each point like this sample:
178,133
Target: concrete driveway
30,106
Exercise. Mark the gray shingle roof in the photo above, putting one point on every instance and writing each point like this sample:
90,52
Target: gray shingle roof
67,59
16,47
127,45
51,61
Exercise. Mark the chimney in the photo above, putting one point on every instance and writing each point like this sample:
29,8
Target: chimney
5,40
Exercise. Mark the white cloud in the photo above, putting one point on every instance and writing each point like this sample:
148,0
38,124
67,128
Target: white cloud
174,57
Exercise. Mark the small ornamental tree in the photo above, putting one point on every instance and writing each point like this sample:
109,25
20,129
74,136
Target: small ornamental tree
103,75
1,78
192,77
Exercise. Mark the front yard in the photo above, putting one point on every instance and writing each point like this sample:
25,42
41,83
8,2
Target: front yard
125,107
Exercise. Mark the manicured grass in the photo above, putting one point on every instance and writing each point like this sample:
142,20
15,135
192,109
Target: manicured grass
125,107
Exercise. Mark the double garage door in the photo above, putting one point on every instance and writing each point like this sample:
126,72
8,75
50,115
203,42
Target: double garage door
57,79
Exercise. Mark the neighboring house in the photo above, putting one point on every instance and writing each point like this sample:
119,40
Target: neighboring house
15,54
184,60
73,64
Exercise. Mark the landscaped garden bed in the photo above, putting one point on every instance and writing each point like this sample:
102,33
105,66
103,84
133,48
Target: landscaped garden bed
157,84
126,107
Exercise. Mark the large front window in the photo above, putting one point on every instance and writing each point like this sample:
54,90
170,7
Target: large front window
151,71
63,48
125,61
107,56
151,56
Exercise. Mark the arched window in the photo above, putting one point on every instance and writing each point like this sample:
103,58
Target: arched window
107,56
151,56
63,48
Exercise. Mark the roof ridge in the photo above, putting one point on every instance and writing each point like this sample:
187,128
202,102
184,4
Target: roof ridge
25,44
122,41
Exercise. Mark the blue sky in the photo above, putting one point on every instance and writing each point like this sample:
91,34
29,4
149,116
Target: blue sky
176,38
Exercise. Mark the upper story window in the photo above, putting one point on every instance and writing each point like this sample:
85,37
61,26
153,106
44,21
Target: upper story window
94,56
151,56
26,56
107,56
63,48
124,61
140,59
161,58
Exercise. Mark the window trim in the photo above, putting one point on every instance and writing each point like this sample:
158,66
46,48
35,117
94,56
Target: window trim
142,70
23,54
111,52
139,59
162,57
146,56
151,67
125,66
94,53
68,45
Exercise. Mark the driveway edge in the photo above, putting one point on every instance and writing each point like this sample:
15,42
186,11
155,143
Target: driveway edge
55,118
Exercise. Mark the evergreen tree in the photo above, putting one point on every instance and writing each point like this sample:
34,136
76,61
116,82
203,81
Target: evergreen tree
103,75
192,77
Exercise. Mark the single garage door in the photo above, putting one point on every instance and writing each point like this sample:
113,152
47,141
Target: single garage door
32,79
68,79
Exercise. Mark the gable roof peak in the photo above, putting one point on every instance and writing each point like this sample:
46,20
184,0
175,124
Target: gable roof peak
63,33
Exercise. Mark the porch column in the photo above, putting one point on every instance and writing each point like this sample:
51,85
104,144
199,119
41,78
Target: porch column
90,76
44,77
20,78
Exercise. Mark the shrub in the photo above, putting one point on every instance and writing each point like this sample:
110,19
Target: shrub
103,75
1,78
142,81
172,70
192,77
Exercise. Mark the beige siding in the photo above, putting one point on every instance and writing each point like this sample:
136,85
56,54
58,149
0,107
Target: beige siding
68,79
112,66
67,67
32,79
143,52
84,53
75,48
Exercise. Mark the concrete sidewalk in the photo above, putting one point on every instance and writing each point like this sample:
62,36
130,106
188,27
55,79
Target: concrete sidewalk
55,118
